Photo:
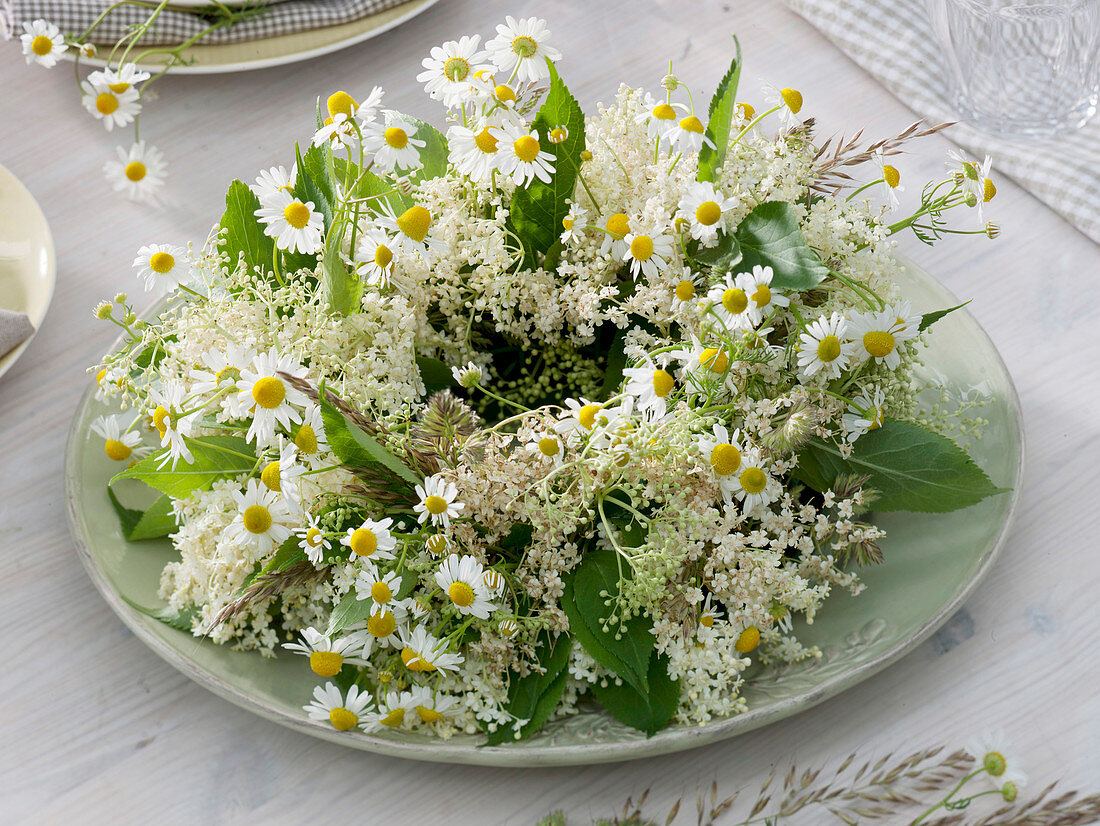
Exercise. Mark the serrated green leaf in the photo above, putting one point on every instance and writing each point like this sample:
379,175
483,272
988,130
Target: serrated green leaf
317,164
537,210
623,650
770,236
535,696
158,520
183,620
214,458
647,711
928,319
355,448
719,119
244,235
435,374
911,467
721,258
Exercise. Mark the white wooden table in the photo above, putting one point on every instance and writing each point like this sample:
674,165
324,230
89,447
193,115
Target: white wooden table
96,728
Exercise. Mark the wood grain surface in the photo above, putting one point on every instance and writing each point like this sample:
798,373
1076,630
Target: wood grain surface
96,729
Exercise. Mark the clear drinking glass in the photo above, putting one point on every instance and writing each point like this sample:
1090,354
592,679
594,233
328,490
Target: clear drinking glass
1021,67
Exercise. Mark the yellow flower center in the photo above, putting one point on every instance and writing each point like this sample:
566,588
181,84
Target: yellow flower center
878,343
394,718
828,349
118,88
685,290
586,155
748,640
641,248
306,440
891,175
326,663
526,148
435,505
363,542
734,300
162,262
397,137
414,222
342,719
99,377
548,446
382,624
160,416
268,392
428,715
270,477
568,221
256,519
707,620
715,360
663,111
485,141
135,171
725,459
587,415
747,110
876,416
753,480
708,213
558,134
382,256
41,45
314,538
461,594
456,69
793,99
995,763
662,383
380,592
525,46
618,225
988,190
408,656
692,124
437,543
341,103
106,103
504,93
296,214
763,295
117,450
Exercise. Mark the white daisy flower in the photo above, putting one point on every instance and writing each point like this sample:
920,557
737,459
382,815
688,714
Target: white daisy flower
462,580
138,172
520,50
371,540
685,295
160,263
522,158
310,437
731,304
713,361
338,130
617,227
119,80
706,212
393,708
174,427
891,180
411,229
220,369
650,385
393,143
421,651
722,451
272,400
344,713
262,521
449,69
327,655
384,626
312,540
295,226
468,376
283,475
994,752
475,152
508,628
381,588
494,582
437,501
689,135
864,414
432,706
789,102
578,417
647,254
709,614
660,119
753,485
974,179
369,110
548,447
574,224
762,299
120,443
274,181
877,334
375,255
43,42
825,348
113,108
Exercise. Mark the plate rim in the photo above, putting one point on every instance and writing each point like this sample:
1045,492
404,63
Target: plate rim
664,742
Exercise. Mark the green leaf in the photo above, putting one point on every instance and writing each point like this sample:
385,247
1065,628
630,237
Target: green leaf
435,374
354,447
244,234
538,210
771,237
433,155
518,537
214,458
343,288
348,611
722,257
911,467
535,696
183,620
157,521
616,363
317,164
623,650
287,554
647,711
928,319
720,118
371,186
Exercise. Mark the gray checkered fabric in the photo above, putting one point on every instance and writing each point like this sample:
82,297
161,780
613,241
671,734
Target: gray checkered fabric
172,27
894,42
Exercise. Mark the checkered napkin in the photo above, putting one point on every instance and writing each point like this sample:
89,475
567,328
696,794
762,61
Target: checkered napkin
894,42
172,27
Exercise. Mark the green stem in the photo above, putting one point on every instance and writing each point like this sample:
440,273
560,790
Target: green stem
950,794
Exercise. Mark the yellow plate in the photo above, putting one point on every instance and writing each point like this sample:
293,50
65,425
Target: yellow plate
27,269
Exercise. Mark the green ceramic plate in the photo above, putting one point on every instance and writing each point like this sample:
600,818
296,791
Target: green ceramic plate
933,563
